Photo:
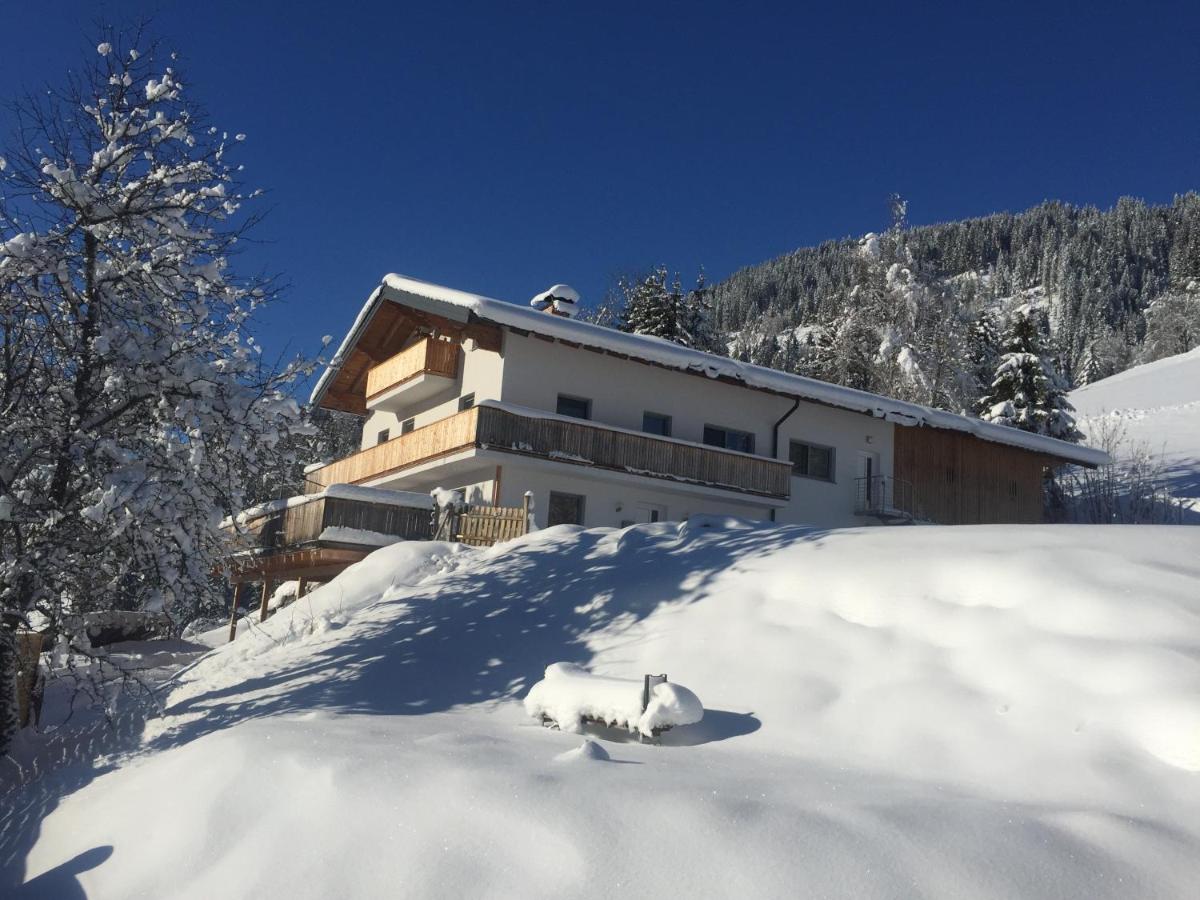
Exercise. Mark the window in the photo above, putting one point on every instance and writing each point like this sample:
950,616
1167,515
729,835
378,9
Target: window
466,401
407,425
656,423
382,436
575,407
565,509
729,438
812,460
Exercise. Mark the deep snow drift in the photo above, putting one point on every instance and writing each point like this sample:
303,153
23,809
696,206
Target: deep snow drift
1158,406
950,712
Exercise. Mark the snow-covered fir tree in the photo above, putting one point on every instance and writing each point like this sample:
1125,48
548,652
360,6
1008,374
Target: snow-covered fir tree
1172,324
655,304
134,403
1026,391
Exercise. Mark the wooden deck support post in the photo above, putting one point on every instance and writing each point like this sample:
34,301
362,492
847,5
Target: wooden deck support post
527,509
263,612
237,598
301,587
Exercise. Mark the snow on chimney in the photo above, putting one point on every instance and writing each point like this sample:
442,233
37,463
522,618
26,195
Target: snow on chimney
559,300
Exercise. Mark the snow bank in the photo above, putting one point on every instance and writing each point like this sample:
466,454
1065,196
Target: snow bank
985,712
569,694
343,534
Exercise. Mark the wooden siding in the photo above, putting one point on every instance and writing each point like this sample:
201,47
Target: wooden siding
304,524
958,479
426,356
441,438
574,443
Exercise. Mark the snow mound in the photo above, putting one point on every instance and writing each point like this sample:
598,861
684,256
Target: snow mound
588,750
569,694
940,712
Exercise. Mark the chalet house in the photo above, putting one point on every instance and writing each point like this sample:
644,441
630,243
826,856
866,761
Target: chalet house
605,428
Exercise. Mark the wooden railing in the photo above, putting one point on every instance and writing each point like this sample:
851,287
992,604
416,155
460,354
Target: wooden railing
427,356
423,444
580,443
304,523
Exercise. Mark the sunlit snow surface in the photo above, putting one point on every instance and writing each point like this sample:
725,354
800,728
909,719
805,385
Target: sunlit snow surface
1157,406
893,712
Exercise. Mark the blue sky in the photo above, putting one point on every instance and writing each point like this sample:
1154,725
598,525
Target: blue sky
501,147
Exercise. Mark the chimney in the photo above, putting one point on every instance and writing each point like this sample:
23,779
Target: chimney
559,300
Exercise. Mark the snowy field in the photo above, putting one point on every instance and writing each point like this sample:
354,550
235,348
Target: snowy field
971,712
1156,405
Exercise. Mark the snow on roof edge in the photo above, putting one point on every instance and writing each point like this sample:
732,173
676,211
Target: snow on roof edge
671,355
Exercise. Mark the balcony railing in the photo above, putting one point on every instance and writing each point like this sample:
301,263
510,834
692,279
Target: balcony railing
884,497
428,356
305,523
578,443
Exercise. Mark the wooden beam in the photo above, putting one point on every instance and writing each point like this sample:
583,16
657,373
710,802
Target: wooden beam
301,587
263,612
237,598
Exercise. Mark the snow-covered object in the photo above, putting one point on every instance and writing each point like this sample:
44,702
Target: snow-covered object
460,305
562,298
569,694
342,534
446,497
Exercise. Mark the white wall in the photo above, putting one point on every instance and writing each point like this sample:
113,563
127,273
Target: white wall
536,372
479,372
609,501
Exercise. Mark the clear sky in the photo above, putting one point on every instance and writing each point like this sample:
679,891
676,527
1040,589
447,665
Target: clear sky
503,147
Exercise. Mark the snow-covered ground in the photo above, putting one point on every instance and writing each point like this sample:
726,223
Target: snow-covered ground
976,712
1158,406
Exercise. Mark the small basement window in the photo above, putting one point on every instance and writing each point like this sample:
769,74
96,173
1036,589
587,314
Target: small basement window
383,436
407,425
575,407
656,423
565,509
812,460
466,401
729,438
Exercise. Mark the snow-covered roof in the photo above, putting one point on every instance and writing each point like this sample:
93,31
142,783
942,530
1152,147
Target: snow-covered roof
383,496
462,306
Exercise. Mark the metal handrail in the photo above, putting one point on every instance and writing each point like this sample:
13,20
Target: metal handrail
883,495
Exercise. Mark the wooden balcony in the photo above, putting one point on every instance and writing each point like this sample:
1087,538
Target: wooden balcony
317,521
579,443
415,373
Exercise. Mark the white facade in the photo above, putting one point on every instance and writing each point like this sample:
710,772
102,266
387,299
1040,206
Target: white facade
531,372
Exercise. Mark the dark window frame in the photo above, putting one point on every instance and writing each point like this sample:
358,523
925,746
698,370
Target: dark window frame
383,436
466,401
663,416
587,406
831,478
408,425
582,498
726,432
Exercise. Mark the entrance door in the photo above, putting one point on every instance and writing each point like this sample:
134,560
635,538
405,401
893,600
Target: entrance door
649,512
868,470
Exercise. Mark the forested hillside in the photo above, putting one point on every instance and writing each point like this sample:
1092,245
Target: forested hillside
920,312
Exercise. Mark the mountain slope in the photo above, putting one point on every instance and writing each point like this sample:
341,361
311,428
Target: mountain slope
937,712
1156,406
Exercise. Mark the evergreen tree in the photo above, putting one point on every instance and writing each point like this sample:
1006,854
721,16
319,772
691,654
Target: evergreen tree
651,307
1027,392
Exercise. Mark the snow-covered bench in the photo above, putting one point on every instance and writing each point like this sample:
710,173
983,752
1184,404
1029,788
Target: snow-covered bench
570,695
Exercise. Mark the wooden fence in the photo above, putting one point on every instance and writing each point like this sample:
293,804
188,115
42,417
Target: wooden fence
483,526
